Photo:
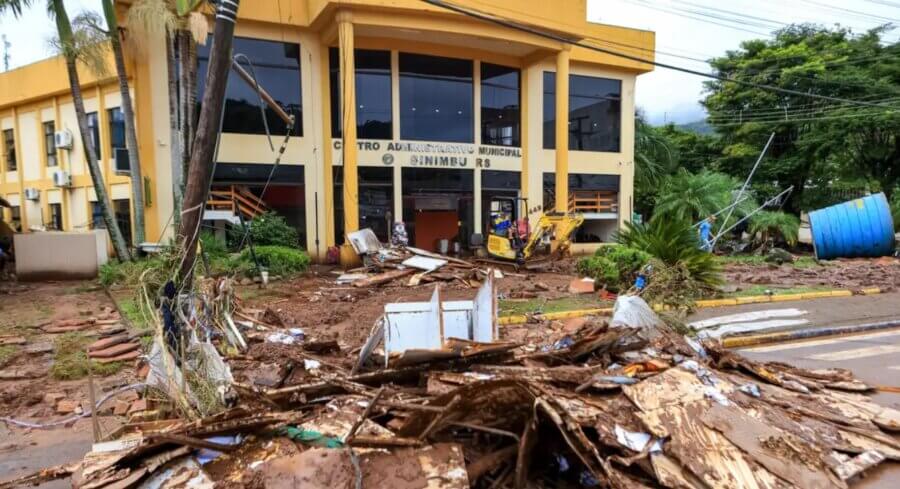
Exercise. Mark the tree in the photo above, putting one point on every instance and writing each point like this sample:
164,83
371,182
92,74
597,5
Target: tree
112,34
184,27
654,159
816,141
690,197
69,50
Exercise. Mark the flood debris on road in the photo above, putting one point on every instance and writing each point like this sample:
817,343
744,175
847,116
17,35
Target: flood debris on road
626,403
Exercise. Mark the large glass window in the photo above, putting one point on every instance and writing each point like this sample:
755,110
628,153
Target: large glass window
376,200
94,126
9,149
595,113
277,69
50,142
436,99
500,112
373,94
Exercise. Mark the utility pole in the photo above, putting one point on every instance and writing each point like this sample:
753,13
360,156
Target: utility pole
205,141
6,46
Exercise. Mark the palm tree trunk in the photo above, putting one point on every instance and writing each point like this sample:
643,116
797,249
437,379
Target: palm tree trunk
65,36
208,125
176,149
134,158
187,86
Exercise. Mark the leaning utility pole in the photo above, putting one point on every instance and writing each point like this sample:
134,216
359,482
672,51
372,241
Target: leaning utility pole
203,151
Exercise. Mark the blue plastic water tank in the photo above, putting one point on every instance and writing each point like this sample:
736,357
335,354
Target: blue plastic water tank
857,228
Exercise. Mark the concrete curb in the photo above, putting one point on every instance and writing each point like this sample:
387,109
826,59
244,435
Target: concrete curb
799,334
703,304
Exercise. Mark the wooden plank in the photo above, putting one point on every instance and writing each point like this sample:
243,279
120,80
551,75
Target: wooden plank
722,465
782,454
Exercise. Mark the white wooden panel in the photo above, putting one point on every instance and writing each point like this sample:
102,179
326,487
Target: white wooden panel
484,327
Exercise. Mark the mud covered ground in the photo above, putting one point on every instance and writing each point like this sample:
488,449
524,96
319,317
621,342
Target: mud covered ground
840,274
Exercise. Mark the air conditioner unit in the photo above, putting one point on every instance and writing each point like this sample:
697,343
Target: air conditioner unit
62,178
63,139
32,194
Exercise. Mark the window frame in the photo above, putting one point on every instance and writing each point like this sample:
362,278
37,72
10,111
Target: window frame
549,99
50,153
15,217
334,92
115,123
258,66
517,137
9,150
56,218
401,75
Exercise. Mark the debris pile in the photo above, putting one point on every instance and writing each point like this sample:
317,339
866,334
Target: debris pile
405,264
624,404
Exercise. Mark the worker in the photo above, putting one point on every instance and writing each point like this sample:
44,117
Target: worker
706,233
502,224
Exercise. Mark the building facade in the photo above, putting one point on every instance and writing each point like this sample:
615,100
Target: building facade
404,111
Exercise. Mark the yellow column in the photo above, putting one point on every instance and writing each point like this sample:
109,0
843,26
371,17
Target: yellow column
562,130
348,148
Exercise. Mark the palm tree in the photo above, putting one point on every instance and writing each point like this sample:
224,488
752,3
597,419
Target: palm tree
689,197
69,47
89,23
184,27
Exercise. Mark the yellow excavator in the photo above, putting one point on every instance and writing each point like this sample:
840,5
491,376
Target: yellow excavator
512,239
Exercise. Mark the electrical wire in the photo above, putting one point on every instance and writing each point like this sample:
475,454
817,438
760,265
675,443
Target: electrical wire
509,24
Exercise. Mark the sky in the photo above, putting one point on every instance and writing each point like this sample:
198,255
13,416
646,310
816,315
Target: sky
699,29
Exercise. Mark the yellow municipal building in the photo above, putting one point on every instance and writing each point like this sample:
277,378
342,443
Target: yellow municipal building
451,110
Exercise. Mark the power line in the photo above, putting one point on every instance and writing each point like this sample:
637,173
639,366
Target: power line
810,119
847,11
509,24
701,19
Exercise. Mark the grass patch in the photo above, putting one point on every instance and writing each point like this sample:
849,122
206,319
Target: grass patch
70,360
83,288
531,306
130,309
800,262
6,353
761,290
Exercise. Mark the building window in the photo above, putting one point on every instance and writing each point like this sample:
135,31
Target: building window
436,99
277,69
373,94
117,147
97,221
500,112
376,200
9,149
122,211
56,219
50,142
15,218
595,113
93,123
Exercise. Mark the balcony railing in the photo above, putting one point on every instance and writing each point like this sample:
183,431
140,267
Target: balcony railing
593,201
237,200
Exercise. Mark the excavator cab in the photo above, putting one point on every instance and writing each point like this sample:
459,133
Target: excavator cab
509,230
512,237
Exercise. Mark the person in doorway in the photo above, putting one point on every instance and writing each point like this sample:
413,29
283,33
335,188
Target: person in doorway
706,233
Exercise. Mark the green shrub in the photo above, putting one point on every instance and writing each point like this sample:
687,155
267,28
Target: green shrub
778,225
129,273
268,229
895,209
213,246
674,243
278,260
616,267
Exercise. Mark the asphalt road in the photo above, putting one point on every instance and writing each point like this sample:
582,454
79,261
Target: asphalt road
835,311
873,357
